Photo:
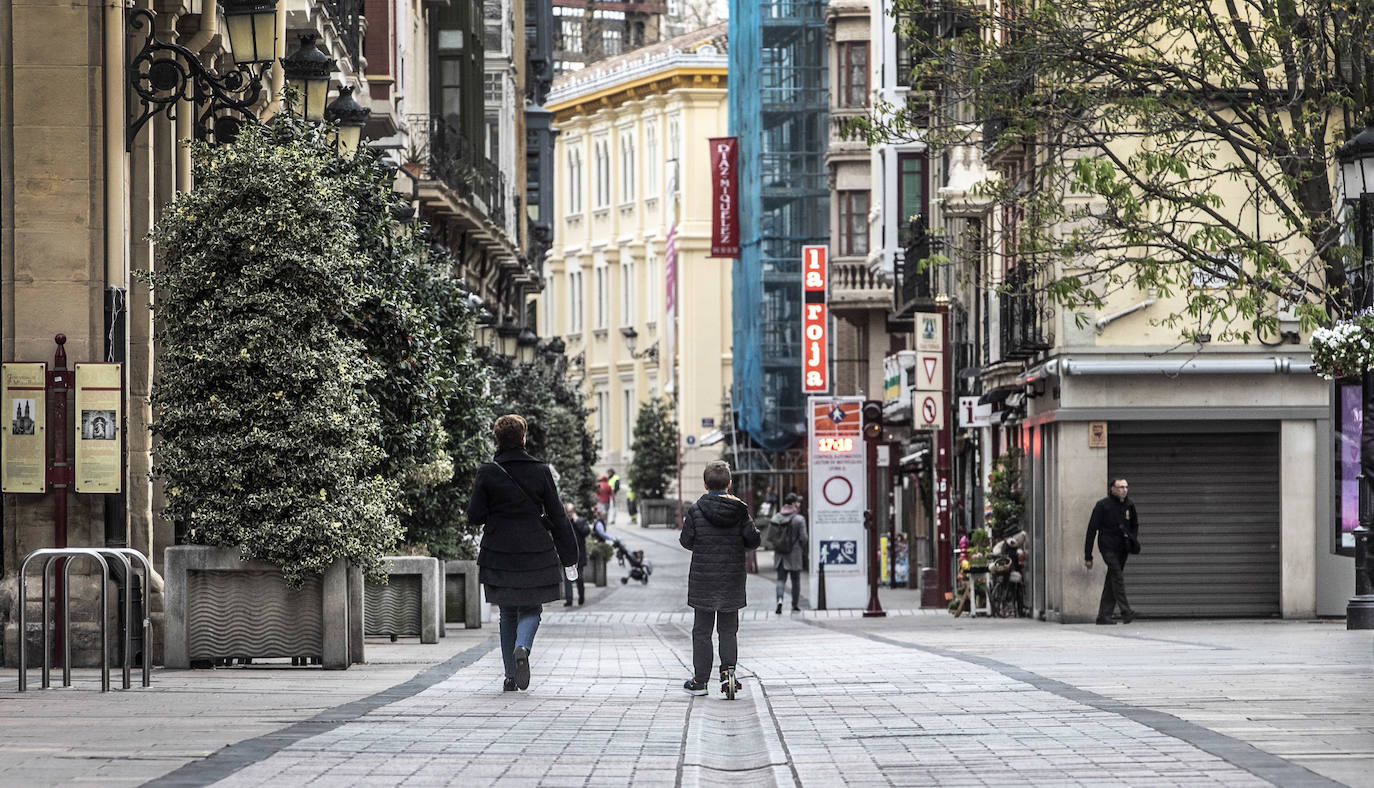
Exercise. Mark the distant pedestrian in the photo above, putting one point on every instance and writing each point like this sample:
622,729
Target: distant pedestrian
718,531
580,530
787,539
612,479
599,524
605,498
1116,527
526,537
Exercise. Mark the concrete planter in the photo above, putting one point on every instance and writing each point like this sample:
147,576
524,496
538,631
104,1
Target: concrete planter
220,606
462,594
408,604
596,572
658,511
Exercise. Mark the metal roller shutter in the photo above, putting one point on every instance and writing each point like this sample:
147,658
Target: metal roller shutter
1209,512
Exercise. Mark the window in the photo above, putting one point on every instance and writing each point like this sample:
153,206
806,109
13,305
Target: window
601,306
911,193
603,173
627,290
627,167
574,181
603,415
570,30
651,286
853,73
674,156
853,237
610,41
575,302
914,30
627,414
650,159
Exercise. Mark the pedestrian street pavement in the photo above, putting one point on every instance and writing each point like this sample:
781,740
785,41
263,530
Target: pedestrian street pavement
830,698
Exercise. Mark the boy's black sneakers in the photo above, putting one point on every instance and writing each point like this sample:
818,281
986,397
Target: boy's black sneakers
509,686
694,687
729,685
778,609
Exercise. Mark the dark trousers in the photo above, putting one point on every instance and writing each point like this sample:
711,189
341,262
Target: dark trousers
795,574
568,587
1114,589
726,624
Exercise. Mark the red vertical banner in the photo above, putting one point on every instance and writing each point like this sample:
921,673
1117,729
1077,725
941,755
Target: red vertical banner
815,321
724,197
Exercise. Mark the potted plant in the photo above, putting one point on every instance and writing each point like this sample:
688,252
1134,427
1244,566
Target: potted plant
1346,348
655,462
416,157
598,555
268,444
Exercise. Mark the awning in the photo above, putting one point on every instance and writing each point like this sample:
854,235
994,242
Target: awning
996,396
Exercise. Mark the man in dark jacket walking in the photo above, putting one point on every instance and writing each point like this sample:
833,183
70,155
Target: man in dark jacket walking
1116,526
718,531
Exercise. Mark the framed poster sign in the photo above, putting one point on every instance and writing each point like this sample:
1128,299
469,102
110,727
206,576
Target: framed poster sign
99,428
23,431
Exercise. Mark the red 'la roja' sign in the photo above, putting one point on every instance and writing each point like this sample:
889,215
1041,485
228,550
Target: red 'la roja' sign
815,326
724,197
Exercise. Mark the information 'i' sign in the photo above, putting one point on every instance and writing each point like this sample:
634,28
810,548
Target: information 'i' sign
815,325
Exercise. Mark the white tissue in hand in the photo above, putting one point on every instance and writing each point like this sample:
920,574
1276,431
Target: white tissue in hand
570,572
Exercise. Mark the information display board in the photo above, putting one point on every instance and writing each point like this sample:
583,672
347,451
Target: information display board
23,434
99,432
838,490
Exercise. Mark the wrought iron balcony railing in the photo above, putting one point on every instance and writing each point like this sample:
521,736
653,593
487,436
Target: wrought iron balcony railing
446,155
348,17
1025,312
914,290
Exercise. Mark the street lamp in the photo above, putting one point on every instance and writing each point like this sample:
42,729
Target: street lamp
507,334
350,116
632,338
1356,159
252,28
525,344
307,70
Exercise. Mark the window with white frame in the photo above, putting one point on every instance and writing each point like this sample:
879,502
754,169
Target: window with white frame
602,399
627,414
674,156
627,290
627,167
650,159
571,32
603,173
574,181
601,306
651,286
575,302
610,42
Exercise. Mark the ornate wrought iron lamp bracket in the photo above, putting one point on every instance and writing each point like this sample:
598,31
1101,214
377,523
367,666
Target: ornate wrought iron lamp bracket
163,73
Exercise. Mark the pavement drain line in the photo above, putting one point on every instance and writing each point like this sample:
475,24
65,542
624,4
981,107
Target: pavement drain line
238,756
1240,754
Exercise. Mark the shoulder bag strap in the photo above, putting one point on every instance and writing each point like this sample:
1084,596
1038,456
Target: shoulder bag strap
531,498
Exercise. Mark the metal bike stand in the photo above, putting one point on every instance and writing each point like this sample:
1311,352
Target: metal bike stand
147,600
50,554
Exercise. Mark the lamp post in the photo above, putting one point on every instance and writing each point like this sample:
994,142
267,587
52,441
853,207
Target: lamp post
307,70
525,343
632,339
350,117
507,335
1356,159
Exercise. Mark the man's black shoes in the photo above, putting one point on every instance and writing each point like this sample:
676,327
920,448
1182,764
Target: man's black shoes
1127,618
1104,621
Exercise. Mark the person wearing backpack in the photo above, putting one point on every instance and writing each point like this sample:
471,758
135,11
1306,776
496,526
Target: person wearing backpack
788,539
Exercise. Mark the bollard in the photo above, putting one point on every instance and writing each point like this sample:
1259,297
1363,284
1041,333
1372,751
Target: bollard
1359,611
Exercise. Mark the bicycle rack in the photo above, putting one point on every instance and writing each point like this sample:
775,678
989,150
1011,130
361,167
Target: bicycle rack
98,555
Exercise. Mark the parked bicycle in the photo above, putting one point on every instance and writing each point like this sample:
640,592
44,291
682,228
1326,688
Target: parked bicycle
1007,578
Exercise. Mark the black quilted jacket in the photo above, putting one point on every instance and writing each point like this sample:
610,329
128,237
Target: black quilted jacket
718,531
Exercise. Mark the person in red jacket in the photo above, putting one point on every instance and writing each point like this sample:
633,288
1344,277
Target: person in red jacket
604,496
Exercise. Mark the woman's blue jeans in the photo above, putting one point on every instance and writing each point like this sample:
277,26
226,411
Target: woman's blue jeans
518,625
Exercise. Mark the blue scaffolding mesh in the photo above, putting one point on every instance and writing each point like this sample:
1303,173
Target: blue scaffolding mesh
779,111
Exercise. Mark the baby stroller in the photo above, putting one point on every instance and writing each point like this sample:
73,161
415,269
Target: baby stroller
639,568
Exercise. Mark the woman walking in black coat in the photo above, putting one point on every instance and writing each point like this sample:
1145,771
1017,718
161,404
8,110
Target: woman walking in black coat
527,543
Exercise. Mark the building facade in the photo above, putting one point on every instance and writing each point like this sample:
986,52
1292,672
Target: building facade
635,206
81,185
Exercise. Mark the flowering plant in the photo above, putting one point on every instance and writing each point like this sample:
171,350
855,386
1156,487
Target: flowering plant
1346,348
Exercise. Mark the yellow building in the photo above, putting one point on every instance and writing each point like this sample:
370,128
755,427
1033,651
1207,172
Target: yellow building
631,167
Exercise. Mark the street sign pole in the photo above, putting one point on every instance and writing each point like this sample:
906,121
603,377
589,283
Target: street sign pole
875,608
943,556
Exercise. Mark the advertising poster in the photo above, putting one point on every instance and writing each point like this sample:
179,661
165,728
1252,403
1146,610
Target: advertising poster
23,434
724,197
838,486
1349,419
99,434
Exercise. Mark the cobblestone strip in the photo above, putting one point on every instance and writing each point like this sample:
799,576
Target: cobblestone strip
1120,762
239,756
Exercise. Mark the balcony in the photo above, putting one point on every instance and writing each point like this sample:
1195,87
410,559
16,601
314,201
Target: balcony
914,289
455,181
854,284
1025,311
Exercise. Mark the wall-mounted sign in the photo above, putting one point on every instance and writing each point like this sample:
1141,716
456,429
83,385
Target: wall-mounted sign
971,414
99,428
23,432
815,321
724,197
930,335
838,488
1097,435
